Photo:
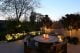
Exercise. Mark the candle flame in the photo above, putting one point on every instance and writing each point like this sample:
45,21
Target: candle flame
60,39
45,36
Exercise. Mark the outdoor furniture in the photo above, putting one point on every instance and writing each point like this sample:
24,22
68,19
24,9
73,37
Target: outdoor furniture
50,45
51,39
44,45
59,47
29,45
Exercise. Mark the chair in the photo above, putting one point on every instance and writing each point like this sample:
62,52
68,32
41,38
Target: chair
29,46
44,47
26,48
64,47
57,48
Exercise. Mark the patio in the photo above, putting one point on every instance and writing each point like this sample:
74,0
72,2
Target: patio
18,47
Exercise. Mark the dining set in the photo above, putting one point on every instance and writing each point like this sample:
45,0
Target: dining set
45,44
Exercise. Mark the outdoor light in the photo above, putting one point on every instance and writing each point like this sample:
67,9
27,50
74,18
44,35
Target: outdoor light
16,37
46,36
13,34
24,33
19,26
9,37
33,33
60,39
44,29
39,32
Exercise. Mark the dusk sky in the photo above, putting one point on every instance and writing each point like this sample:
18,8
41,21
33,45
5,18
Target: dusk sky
58,8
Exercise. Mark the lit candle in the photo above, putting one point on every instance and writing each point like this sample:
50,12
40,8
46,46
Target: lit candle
60,39
44,35
47,36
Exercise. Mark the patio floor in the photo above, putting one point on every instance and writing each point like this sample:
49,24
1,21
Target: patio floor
73,48
18,47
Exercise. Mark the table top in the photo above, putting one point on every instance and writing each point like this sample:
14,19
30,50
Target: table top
51,39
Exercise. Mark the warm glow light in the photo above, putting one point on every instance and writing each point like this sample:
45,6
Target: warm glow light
60,39
16,37
9,37
33,33
39,32
25,33
70,33
45,36
45,29
19,26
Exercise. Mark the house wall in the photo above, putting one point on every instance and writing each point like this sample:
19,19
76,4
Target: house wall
74,32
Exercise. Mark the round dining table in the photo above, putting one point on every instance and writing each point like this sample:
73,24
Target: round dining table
50,39
50,44
44,44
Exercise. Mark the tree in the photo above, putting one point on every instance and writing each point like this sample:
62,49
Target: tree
71,20
16,8
12,26
46,21
35,21
33,16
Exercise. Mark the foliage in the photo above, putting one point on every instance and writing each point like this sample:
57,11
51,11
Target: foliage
68,38
71,20
2,35
12,26
32,17
35,21
17,8
46,21
72,40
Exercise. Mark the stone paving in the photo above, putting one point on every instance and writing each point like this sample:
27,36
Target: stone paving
73,48
12,47
18,47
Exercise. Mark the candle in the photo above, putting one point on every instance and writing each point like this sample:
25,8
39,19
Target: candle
44,35
60,39
47,36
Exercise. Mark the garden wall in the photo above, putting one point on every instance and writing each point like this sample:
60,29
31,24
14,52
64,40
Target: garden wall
74,32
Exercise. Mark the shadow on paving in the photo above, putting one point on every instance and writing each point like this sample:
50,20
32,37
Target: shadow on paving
12,47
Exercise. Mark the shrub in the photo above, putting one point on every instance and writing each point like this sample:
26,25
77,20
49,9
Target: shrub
74,40
68,38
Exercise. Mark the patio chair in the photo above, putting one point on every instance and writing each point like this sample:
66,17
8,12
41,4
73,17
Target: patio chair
29,45
44,47
59,48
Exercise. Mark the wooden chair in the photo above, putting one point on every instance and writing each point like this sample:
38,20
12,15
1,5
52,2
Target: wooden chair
57,48
44,47
29,47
